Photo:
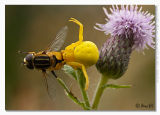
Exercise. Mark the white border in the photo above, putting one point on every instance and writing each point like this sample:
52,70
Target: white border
73,2
158,57
81,2
2,57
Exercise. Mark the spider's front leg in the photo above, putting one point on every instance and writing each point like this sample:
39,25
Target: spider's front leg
80,28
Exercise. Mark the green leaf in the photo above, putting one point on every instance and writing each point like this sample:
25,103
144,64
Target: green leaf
80,77
69,70
116,86
71,96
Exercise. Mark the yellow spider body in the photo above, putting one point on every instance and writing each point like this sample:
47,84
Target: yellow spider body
85,53
81,54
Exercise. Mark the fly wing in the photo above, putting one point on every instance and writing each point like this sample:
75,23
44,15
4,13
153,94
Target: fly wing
51,86
58,42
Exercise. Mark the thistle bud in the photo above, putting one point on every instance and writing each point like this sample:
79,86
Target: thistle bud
114,56
130,29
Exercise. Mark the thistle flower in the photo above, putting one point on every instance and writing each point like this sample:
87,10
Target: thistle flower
130,29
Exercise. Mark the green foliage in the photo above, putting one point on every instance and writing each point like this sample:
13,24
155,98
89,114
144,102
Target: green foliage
70,71
116,86
70,94
78,75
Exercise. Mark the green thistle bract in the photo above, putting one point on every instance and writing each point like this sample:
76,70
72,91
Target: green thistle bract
114,56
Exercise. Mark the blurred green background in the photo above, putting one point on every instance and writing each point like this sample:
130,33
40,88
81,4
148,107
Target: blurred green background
32,28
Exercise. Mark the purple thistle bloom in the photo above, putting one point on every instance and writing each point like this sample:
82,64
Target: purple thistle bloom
130,29
130,21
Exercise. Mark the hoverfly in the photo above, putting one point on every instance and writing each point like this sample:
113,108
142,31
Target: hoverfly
80,54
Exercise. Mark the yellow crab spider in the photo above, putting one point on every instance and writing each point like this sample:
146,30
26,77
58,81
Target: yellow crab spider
81,54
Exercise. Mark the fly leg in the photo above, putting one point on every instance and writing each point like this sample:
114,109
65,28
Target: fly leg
54,74
45,79
81,66
80,28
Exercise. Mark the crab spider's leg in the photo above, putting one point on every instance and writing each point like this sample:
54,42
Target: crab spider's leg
80,28
81,66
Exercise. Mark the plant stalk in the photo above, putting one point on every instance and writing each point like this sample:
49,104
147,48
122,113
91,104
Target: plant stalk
71,96
85,97
80,78
99,92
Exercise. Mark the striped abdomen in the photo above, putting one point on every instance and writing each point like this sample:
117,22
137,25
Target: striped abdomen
42,62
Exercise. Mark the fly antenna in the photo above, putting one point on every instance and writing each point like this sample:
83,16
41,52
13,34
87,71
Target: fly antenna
20,52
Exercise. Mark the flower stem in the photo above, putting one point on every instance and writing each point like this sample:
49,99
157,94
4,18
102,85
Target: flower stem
80,78
70,95
85,97
99,91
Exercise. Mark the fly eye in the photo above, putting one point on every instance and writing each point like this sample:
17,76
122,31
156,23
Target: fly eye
28,61
29,57
30,66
